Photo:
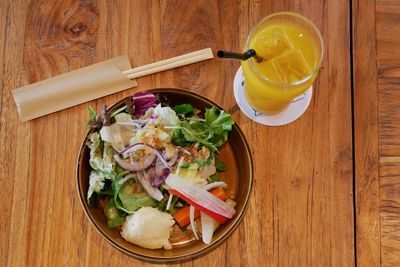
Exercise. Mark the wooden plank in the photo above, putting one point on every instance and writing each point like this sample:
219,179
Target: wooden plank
387,99
340,149
14,141
366,134
390,220
3,20
4,228
387,39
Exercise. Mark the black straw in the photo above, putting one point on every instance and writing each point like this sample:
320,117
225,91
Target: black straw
242,56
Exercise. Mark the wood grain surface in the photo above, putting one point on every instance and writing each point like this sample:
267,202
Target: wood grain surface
377,131
388,65
301,209
366,135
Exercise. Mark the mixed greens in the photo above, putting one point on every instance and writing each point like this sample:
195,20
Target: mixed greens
154,165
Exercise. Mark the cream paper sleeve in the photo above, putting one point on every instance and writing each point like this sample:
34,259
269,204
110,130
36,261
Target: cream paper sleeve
72,88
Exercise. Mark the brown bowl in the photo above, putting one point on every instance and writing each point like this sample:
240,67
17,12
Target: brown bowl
239,177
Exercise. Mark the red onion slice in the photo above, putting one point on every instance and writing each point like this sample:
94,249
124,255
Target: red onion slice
174,158
159,168
161,158
135,166
154,117
154,192
132,148
126,178
161,172
157,181
215,184
137,146
170,162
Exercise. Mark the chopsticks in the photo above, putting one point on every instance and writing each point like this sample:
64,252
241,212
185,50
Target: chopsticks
170,63
91,82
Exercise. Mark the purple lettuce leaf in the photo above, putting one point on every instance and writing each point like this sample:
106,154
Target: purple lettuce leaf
142,102
159,180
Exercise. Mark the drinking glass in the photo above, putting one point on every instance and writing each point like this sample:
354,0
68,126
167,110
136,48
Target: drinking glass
291,48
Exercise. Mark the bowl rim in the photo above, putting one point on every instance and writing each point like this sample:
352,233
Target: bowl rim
187,256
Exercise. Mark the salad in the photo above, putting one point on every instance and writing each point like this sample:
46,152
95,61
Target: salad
154,166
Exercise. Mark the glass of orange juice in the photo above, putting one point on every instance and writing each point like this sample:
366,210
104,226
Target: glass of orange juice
291,47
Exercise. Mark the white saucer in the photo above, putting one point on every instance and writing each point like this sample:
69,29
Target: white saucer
291,113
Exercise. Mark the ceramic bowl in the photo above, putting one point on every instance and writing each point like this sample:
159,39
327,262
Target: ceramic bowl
239,176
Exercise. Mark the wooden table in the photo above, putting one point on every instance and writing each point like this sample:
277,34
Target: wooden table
326,188
377,131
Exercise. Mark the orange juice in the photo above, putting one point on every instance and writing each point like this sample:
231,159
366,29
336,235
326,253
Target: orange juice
291,48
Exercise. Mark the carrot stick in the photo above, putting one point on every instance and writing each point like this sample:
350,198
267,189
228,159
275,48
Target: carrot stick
219,193
182,216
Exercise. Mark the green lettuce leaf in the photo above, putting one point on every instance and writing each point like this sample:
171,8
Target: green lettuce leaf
96,182
96,161
103,168
133,202
166,116
179,139
214,178
114,218
115,188
220,166
220,124
211,132
133,198
129,196
183,109
197,164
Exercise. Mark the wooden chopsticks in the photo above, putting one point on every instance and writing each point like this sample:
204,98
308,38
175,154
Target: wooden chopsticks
170,63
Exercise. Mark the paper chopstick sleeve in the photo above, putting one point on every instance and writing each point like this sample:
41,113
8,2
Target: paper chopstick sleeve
72,88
